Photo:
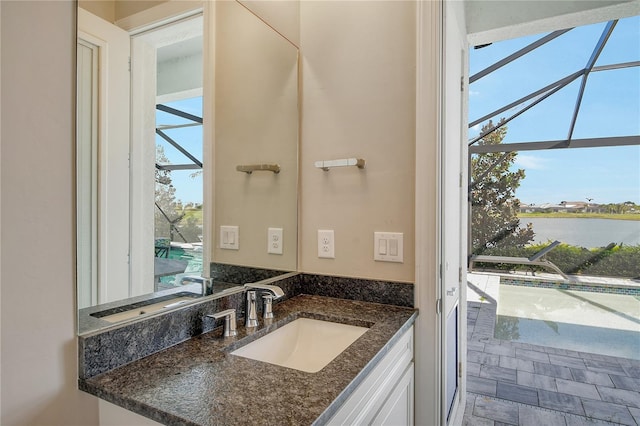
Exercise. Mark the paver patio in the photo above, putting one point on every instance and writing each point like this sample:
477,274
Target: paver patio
514,383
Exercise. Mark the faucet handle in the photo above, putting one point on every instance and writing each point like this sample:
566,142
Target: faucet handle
251,313
267,311
229,321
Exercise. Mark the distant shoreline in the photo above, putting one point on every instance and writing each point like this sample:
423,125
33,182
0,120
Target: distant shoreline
557,215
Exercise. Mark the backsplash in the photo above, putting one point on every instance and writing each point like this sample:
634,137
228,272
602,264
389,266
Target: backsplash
241,274
386,292
107,349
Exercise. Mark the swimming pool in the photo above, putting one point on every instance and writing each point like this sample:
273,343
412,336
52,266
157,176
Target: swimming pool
583,321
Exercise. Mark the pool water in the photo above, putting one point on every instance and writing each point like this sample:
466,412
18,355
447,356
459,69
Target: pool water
194,264
602,323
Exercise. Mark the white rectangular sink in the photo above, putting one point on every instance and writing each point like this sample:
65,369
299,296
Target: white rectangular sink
303,344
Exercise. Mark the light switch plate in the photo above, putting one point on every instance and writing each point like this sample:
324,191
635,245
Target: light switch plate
230,237
388,246
274,240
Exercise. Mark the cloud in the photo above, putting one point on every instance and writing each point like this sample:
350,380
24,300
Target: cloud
531,162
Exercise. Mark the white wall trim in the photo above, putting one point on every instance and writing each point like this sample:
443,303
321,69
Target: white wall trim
208,135
427,201
157,16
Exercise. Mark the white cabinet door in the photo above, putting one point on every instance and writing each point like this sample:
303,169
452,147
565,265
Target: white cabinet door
377,392
398,408
113,415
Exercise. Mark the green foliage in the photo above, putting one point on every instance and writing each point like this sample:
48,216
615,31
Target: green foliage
173,220
619,261
494,207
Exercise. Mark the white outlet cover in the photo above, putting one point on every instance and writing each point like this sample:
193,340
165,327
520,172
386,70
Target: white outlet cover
388,246
326,244
274,240
229,237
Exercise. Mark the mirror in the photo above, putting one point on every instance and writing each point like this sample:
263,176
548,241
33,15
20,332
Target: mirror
246,82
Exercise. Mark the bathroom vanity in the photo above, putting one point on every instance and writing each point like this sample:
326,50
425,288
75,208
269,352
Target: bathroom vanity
200,381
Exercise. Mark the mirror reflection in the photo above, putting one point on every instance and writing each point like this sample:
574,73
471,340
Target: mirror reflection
150,163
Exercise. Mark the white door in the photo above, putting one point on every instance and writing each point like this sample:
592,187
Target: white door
112,202
454,205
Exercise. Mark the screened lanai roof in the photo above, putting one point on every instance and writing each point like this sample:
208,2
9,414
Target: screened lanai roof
578,87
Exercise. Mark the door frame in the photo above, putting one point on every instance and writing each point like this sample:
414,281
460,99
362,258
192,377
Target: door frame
429,283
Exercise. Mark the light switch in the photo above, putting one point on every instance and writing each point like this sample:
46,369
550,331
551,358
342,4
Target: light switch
388,246
393,247
382,246
230,238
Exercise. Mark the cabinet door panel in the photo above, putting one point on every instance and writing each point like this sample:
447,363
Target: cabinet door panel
398,408
365,401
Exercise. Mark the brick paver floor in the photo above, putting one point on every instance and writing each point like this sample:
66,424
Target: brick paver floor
513,383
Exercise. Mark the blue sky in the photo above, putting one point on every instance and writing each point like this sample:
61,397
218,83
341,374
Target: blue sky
610,107
188,189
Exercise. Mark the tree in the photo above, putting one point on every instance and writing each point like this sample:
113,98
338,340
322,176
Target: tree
173,219
165,199
494,207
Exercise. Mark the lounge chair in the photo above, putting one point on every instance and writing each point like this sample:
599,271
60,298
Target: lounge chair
536,260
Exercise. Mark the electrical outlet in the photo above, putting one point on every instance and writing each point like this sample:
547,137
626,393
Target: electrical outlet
326,247
229,237
274,240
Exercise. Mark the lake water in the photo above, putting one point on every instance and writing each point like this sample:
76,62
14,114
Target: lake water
586,233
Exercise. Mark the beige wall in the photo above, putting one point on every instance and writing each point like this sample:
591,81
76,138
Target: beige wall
358,100
282,15
256,122
38,324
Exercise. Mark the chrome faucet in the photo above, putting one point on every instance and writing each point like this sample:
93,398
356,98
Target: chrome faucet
229,321
274,292
273,289
267,306
207,283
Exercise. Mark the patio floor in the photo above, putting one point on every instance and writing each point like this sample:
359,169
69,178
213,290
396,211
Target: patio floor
514,383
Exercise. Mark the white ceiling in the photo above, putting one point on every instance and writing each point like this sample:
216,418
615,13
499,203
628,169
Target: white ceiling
494,20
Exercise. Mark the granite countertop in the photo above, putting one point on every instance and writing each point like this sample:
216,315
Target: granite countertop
198,382
89,318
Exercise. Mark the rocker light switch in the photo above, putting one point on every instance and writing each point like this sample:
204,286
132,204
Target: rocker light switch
388,246
229,238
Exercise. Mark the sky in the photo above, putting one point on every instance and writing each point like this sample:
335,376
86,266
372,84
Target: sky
188,189
610,107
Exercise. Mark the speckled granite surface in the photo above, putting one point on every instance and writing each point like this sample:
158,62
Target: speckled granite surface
389,292
241,274
103,346
87,322
119,344
225,277
198,382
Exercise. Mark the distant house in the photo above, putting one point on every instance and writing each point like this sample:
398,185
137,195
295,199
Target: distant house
573,206
563,207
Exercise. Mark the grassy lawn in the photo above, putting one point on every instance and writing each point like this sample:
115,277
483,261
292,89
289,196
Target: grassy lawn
626,216
197,214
